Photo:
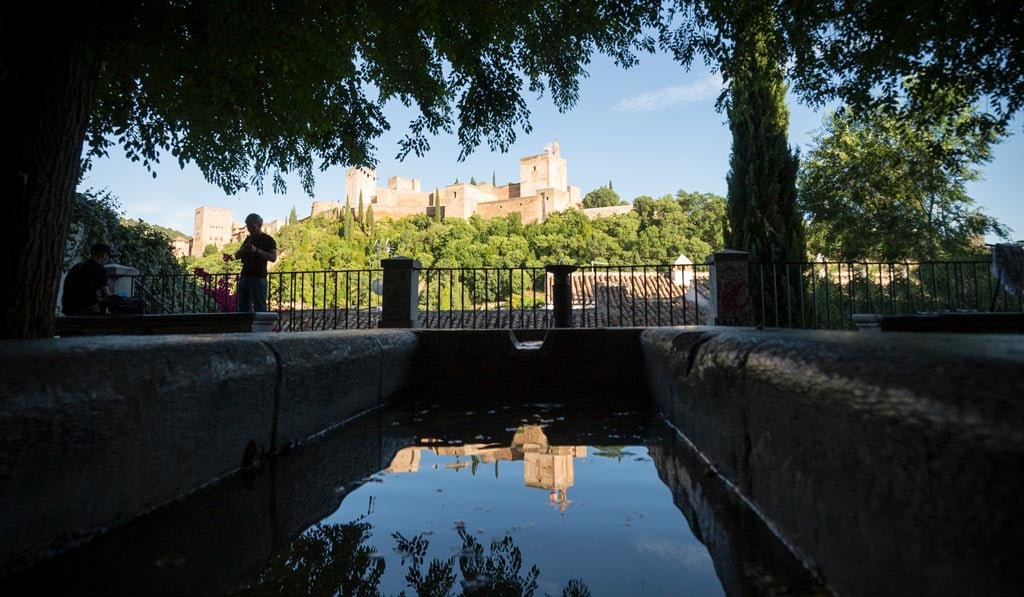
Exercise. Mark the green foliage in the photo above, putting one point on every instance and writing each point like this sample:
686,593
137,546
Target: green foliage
347,224
371,226
97,218
890,184
602,197
763,215
687,223
195,86
860,51
293,218
170,233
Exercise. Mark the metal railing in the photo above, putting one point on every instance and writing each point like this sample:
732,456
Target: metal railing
602,296
826,295
306,300
821,295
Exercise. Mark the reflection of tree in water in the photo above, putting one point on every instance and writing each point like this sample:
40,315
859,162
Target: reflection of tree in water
329,559
616,452
333,559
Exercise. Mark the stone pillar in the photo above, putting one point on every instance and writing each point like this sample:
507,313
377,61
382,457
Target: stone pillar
400,293
730,288
561,293
119,278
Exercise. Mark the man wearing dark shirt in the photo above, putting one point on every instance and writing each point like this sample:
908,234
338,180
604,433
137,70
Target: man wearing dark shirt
86,283
256,250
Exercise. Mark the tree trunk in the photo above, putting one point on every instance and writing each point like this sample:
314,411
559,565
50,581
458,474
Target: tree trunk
49,82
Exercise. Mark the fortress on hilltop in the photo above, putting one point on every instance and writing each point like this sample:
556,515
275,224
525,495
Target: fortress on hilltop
542,189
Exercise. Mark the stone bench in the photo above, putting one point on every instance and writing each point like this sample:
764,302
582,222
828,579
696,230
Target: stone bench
183,323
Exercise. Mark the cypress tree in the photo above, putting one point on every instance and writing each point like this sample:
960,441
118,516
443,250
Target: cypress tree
437,205
371,227
346,227
360,216
293,218
472,180
762,210
494,179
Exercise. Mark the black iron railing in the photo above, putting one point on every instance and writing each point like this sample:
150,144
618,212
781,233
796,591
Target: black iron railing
602,296
826,295
820,295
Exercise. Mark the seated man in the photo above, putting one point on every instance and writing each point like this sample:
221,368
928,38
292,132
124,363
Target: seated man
86,283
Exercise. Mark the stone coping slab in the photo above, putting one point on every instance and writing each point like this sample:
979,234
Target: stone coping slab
176,323
890,462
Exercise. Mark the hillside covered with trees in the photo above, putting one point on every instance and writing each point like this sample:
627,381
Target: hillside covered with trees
657,231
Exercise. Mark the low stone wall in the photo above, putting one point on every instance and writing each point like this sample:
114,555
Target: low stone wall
95,431
890,462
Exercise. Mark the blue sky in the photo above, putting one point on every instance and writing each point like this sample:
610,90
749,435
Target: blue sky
650,130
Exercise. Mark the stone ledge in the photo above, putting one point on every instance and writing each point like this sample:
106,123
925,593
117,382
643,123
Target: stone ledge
95,431
183,323
889,461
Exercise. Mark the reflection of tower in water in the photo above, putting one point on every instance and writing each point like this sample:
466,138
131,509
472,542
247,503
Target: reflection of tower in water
544,466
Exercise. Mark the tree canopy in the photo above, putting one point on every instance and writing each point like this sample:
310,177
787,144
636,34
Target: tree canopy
251,90
602,197
255,90
97,218
890,184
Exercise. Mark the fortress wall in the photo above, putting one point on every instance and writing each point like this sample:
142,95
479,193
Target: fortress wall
528,208
463,200
391,198
600,212
396,213
399,183
212,226
360,180
326,208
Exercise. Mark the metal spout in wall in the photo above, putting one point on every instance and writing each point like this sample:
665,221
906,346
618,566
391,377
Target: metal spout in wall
527,340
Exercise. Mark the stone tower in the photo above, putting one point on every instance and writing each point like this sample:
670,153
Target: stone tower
212,226
359,179
545,171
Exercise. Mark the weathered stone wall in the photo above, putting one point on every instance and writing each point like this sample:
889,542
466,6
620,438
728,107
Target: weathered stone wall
329,209
95,431
543,171
529,209
212,226
360,180
891,462
400,183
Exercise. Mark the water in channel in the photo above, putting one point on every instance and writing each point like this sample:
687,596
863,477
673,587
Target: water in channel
466,498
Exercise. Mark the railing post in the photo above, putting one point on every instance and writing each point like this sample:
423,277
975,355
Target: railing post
119,278
562,293
730,288
400,303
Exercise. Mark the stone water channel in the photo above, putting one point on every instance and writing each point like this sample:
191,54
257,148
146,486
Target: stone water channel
793,462
609,499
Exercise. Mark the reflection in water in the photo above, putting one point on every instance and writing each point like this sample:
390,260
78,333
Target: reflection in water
544,466
451,517
334,559
342,516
